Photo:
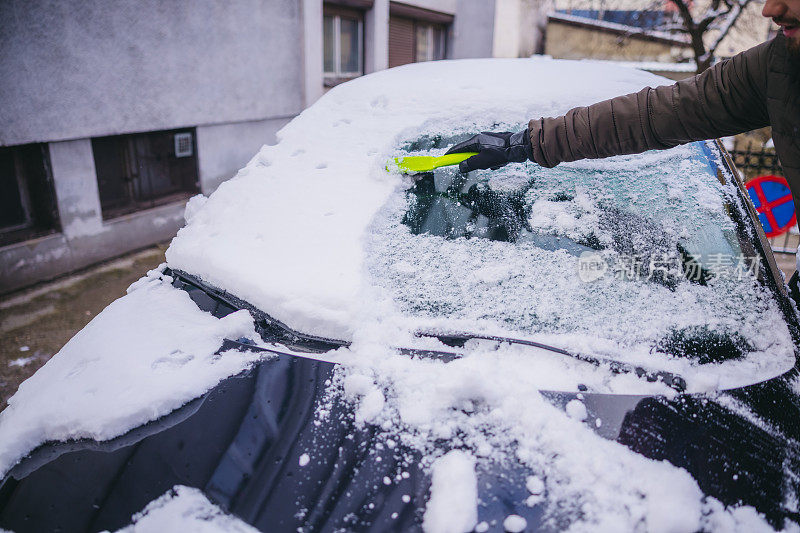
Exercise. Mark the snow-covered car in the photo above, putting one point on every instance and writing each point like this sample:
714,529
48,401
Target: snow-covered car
333,345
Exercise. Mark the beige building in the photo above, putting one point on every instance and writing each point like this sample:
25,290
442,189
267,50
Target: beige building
576,37
750,29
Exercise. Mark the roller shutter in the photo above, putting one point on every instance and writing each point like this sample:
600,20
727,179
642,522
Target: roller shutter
401,41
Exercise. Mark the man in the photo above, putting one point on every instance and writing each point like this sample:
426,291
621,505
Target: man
759,87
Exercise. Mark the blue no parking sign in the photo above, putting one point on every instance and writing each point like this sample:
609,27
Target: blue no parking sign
772,199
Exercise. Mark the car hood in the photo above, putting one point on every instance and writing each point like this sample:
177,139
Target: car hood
258,447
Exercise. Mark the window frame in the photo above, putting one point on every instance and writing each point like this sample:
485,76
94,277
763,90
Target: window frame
24,198
430,37
337,75
437,27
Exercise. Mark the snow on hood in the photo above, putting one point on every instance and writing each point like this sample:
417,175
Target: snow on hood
143,356
472,413
286,234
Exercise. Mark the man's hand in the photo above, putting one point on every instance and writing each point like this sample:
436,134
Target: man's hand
494,150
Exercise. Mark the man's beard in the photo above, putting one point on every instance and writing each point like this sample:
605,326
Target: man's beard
793,45
792,49
793,55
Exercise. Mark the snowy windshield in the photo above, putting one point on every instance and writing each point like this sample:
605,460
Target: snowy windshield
640,251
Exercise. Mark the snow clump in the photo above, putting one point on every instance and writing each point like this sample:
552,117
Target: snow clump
185,509
452,506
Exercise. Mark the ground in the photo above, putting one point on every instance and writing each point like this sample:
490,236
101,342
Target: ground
36,323
786,262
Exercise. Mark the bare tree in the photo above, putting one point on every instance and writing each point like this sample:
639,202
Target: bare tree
718,17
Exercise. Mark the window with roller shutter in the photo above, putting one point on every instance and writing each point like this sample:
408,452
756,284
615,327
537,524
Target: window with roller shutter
416,34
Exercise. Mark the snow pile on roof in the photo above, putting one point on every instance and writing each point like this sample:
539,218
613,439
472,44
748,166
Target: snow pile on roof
143,356
185,509
286,234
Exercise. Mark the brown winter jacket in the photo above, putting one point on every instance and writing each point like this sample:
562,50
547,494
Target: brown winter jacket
751,90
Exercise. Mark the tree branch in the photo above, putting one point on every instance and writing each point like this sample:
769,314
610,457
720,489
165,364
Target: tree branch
730,19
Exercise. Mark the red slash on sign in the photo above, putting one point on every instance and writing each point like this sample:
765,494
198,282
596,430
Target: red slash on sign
773,202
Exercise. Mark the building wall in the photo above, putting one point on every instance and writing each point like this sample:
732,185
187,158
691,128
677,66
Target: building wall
85,238
223,149
473,29
507,28
519,27
750,30
74,69
376,37
443,6
311,46
570,42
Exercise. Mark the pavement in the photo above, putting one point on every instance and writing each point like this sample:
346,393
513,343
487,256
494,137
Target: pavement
37,322
786,262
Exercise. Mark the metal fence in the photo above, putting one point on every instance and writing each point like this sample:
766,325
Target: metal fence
754,163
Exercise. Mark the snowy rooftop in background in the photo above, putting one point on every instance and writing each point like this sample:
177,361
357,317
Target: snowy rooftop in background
650,66
624,29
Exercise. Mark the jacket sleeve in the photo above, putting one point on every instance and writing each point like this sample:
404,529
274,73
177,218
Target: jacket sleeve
724,100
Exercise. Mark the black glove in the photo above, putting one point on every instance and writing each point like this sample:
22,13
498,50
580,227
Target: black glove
494,150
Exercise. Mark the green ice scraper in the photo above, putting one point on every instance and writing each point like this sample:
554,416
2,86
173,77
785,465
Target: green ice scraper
426,163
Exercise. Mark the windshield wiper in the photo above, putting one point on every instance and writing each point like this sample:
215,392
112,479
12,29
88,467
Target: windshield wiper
221,303
673,380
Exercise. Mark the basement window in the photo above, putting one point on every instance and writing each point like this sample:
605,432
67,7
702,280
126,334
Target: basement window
27,198
416,34
145,170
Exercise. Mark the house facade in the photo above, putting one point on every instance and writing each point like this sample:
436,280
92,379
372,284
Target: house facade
113,115
579,37
637,20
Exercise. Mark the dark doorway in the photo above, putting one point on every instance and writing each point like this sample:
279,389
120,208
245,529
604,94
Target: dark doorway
27,199
145,170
